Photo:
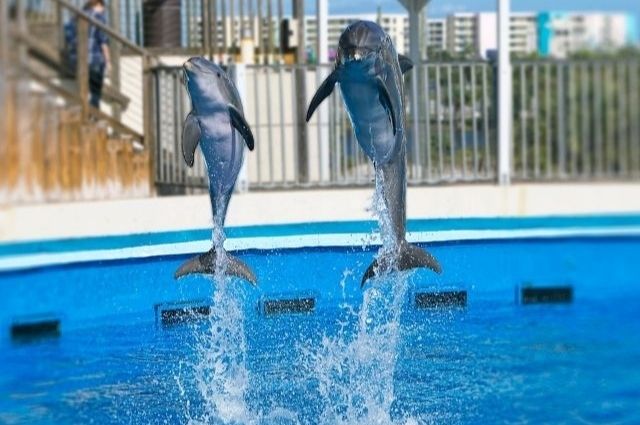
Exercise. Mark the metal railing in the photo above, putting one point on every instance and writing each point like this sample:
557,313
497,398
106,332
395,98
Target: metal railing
572,120
450,122
576,119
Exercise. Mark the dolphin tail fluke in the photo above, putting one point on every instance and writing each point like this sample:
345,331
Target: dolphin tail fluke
239,268
409,257
206,264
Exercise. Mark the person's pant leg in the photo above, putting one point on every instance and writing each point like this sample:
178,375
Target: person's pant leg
96,79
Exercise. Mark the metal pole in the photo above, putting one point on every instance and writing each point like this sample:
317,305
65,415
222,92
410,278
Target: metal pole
206,28
280,18
213,30
270,31
260,30
322,10
504,95
301,98
224,49
232,32
415,9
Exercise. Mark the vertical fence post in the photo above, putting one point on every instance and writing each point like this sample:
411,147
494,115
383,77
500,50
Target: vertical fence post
4,36
505,100
238,72
59,24
150,104
115,50
21,20
4,93
82,66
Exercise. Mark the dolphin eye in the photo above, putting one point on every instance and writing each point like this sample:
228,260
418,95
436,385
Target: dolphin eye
218,75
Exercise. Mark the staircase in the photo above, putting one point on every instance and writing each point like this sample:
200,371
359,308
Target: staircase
53,145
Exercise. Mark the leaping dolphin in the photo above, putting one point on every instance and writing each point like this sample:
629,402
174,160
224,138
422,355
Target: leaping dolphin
369,72
215,116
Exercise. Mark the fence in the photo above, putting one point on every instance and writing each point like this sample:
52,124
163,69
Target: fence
576,120
572,120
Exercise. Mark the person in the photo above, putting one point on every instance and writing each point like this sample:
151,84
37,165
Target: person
99,56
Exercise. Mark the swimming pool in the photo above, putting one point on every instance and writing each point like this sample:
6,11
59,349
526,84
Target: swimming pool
308,346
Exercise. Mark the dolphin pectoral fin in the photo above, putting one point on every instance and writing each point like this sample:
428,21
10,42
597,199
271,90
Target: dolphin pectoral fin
385,98
409,257
323,92
206,264
405,63
240,124
190,138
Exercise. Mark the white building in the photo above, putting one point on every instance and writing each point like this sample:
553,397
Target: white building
476,34
437,34
524,33
562,33
462,33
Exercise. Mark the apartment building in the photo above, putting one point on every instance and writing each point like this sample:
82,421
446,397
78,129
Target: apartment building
437,34
462,33
562,33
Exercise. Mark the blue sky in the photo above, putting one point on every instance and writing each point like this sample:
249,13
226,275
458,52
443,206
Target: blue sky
440,8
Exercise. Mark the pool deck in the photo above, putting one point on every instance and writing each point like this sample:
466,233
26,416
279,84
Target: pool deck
167,214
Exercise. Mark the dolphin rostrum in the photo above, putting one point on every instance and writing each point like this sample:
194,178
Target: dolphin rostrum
369,72
215,116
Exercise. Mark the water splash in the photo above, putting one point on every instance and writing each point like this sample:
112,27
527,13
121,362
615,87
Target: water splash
355,367
221,376
219,368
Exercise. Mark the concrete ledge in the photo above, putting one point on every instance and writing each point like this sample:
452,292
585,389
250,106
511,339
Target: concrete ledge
81,219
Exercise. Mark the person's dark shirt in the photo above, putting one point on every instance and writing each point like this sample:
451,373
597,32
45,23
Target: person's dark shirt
97,39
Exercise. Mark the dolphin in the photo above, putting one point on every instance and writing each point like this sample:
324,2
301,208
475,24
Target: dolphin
369,72
215,116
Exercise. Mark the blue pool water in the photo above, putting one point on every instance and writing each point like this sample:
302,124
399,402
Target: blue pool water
360,357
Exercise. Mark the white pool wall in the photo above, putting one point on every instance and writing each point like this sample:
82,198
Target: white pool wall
80,219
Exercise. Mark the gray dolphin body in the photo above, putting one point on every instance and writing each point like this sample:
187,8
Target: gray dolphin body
369,72
212,123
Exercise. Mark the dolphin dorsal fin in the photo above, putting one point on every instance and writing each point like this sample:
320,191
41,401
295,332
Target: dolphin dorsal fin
323,92
240,124
190,138
385,99
405,63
